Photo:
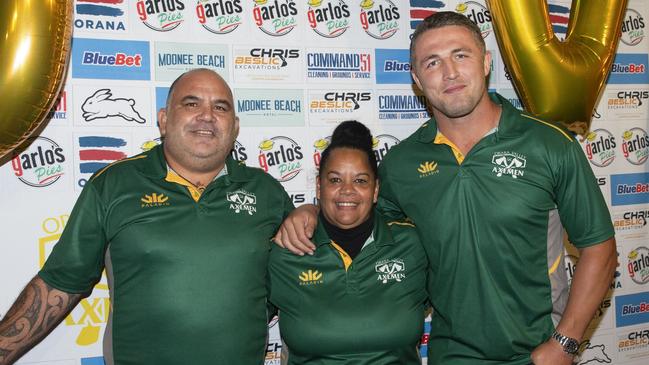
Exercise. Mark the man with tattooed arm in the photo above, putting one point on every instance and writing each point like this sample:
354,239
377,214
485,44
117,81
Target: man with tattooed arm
173,229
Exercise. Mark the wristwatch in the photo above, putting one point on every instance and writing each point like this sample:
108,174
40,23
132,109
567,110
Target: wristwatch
569,344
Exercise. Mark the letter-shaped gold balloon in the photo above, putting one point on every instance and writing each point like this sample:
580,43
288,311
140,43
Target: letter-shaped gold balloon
34,47
558,80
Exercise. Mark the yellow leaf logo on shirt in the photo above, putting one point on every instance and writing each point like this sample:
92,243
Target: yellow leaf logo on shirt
310,277
427,167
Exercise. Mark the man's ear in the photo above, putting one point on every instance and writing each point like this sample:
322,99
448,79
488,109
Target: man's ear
317,187
414,76
487,63
162,121
236,127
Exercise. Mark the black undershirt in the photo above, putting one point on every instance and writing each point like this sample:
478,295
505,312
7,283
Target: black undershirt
351,240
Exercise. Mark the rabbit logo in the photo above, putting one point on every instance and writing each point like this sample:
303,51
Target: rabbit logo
100,106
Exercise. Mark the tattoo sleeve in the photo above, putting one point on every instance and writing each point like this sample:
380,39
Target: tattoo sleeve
36,312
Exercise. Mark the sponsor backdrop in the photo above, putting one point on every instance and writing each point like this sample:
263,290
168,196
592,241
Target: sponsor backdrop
297,68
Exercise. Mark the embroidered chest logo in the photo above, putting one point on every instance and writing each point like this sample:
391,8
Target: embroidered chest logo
242,200
427,168
390,270
154,200
508,163
311,277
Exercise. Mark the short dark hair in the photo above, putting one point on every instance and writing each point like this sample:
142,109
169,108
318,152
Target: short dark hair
444,19
351,134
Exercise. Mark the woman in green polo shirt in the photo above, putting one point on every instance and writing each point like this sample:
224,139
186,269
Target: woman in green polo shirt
360,298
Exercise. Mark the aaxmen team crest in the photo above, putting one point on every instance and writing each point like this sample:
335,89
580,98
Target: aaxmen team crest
508,163
390,270
242,201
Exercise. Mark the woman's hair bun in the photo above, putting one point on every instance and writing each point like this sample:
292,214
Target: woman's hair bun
351,133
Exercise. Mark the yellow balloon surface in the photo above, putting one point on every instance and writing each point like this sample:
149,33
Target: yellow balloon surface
558,80
34,50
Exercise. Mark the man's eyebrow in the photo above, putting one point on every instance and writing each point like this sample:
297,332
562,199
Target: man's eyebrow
223,101
189,98
453,51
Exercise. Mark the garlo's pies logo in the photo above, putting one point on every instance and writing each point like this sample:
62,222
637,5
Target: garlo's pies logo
154,200
328,19
161,16
388,270
380,18
242,200
311,277
219,16
477,13
275,18
638,265
319,146
635,146
508,163
427,168
600,147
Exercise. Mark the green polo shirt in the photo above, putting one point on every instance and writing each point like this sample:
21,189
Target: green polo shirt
492,229
370,310
187,275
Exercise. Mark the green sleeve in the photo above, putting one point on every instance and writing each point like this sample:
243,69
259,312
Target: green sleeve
387,202
581,206
77,260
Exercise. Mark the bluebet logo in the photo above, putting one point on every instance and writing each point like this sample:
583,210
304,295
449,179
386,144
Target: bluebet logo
631,309
110,59
393,66
630,189
629,68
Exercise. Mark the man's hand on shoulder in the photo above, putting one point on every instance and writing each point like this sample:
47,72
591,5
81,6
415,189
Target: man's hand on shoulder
297,229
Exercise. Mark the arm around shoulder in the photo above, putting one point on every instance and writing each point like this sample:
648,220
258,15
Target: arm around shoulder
37,311
297,229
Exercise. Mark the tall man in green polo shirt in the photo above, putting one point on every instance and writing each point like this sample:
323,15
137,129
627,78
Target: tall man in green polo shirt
490,189
183,233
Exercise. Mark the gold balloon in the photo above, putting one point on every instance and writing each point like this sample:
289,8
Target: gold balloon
558,80
34,49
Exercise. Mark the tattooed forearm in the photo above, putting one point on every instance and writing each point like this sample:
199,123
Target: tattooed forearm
36,312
